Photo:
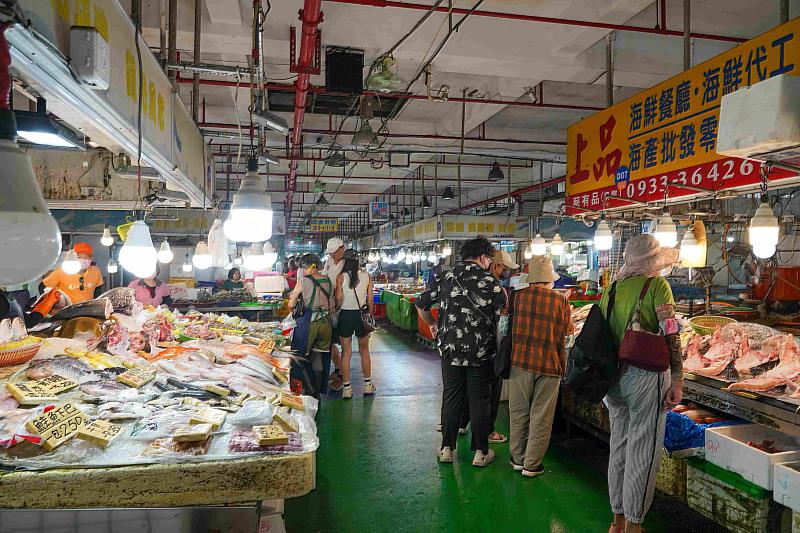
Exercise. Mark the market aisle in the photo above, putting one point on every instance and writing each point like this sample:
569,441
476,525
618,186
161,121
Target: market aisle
377,468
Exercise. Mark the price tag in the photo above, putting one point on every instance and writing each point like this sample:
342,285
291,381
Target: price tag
136,377
270,435
281,376
56,384
215,417
285,420
295,402
100,432
216,389
192,433
267,346
57,425
29,393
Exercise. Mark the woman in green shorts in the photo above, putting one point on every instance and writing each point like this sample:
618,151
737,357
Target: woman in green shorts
354,293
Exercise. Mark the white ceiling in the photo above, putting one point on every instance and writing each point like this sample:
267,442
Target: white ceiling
498,58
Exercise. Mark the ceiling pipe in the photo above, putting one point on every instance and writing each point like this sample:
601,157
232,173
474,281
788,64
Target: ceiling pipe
172,38
459,99
198,23
311,15
534,18
298,133
484,183
350,160
514,194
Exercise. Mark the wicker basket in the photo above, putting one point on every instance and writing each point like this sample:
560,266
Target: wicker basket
705,325
20,355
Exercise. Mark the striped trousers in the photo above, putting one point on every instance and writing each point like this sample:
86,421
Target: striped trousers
636,411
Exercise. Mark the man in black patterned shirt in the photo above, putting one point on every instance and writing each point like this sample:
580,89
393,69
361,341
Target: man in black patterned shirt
470,301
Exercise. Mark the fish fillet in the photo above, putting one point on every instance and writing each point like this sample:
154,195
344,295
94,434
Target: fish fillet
789,366
750,358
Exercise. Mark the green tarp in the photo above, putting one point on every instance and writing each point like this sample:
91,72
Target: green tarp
400,310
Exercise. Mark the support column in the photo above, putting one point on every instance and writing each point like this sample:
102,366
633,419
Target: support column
172,37
784,11
610,38
687,35
198,22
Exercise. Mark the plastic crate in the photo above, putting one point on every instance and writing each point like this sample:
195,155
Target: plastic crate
379,310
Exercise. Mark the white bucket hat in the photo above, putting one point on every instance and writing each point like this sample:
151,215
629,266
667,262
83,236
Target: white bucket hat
540,270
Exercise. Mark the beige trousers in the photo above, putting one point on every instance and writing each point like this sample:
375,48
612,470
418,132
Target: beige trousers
531,405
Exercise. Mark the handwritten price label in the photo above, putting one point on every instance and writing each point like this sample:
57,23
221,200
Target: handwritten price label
57,425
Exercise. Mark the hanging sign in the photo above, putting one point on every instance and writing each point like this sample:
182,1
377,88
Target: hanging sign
426,230
665,137
324,225
379,212
471,226
404,234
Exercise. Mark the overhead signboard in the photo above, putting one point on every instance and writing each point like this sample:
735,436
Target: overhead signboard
664,138
385,235
426,230
324,225
493,227
379,212
404,234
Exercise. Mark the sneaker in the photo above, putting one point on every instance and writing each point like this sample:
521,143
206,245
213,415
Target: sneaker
446,455
335,382
538,471
483,459
515,466
347,394
369,389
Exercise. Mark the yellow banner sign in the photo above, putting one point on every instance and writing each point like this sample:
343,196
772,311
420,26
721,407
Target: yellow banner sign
665,132
324,225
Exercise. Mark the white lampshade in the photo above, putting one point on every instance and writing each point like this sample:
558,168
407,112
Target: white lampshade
254,260
270,255
401,254
691,255
603,238
447,251
409,260
112,266
432,257
238,261
71,265
165,254
137,255
107,239
30,240
557,245
250,218
764,231
666,233
202,257
528,252
187,265
538,245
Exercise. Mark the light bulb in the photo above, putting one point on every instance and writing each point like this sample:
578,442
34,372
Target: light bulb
764,231
409,260
187,265
255,260
270,255
165,254
137,255
538,245
30,240
201,258
603,237
666,233
764,251
238,261
71,265
401,254
229,266
432,257
557,245
112,266
528,252
447,251
107,239
691,255
250,218
730,238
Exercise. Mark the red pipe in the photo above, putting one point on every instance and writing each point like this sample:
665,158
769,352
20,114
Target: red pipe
228,126
534,18
323,90
5,68
518,192
311,15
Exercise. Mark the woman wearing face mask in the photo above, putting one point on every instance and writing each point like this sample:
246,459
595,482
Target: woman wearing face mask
82,286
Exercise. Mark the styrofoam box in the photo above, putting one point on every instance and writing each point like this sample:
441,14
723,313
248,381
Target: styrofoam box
727,448
787,485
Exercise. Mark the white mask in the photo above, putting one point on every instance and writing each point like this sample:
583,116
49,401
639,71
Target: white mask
85,263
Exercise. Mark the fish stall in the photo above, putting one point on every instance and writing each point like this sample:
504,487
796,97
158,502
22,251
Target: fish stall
109,405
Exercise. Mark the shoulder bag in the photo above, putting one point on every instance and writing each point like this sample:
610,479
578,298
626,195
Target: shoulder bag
502,361
640,348
367,320
592,365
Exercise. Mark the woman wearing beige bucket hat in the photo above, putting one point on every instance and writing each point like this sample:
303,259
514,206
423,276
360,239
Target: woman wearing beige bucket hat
637,400
542,320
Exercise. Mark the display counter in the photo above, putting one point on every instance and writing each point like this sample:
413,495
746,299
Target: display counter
400,309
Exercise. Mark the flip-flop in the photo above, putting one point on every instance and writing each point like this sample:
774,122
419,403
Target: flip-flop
495,440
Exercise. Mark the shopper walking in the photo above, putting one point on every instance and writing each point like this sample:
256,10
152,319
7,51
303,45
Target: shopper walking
542,320
470,302
312,335
353,295
333,267
637,400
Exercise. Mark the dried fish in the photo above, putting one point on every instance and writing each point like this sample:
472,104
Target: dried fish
100,308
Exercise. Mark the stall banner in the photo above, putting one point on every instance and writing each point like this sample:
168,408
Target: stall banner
426,230
665,137
471,226
379,212
324,225
404,234
385,235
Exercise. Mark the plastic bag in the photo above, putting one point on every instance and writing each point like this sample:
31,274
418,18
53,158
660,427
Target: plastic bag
254,413
288,325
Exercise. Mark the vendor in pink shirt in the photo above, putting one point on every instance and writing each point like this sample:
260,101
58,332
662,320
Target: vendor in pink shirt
151,291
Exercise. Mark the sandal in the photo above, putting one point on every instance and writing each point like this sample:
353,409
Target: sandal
497,438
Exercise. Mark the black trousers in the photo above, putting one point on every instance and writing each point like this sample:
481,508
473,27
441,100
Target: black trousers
497,388
471,384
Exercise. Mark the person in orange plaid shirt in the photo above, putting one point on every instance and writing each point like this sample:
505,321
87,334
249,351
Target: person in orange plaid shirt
542,320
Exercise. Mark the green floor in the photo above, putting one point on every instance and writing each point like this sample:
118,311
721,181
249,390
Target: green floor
377,468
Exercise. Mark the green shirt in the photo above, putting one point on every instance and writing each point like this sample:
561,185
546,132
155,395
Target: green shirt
628,290
229,285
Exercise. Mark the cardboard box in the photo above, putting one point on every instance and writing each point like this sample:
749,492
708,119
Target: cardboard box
787,485
727,448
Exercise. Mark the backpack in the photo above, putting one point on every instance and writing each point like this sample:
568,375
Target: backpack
592,365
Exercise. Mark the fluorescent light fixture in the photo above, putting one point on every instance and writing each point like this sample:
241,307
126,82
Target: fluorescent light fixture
269,158
38,128
151,174
271,121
